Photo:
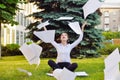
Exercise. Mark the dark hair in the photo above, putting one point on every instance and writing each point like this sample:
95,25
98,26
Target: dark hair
65,33
58,37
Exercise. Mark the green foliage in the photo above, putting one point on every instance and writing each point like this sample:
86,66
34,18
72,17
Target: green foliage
111,35
54,9
11,50
2,6
29,43
8,11
108,49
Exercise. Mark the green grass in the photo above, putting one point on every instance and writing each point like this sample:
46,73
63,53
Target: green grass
9,65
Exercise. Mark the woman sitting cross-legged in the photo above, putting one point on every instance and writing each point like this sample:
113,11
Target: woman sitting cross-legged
63,52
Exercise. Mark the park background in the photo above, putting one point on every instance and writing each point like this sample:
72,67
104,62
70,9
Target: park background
104,31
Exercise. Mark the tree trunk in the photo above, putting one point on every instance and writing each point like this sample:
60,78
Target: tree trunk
0,40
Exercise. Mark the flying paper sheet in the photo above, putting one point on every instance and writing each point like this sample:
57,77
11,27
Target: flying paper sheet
31,52
43,24
46,36
91,6
64,74
65,18
75,27
112,74
112,60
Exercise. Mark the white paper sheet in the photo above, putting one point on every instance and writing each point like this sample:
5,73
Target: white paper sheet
64,74
81,73
112,71
56,73
67,75
65,18
75,27
31,52
112,60
43,24
25,71
77,74
46,36
112,74
91,6
49,74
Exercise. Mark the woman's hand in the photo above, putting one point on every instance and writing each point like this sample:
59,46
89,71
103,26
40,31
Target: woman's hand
83,26
45,29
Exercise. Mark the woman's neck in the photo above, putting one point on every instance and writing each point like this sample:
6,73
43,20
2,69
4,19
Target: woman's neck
64,43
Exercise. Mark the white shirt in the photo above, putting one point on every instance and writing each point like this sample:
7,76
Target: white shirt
63,52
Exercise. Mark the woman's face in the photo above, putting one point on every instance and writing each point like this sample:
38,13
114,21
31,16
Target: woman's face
64,37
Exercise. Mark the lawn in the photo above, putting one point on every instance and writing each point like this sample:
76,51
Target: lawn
9,65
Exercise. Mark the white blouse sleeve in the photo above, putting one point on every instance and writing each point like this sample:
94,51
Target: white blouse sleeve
54,44
77,41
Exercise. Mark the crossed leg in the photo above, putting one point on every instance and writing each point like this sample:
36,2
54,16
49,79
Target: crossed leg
61,65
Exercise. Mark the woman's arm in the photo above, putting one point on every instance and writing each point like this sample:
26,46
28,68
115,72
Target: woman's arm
77,41
54,43
83,26
80,37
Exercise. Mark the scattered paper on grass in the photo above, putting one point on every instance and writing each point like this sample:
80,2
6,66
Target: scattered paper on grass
65,74
81,73
25,71
56,73
49,74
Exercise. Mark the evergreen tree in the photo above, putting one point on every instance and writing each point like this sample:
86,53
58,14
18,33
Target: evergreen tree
7,13
53,9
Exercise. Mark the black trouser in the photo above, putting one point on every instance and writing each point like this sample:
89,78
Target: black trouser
61,65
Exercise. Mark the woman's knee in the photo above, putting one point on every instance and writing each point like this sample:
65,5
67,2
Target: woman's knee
75,65
72,67
50,62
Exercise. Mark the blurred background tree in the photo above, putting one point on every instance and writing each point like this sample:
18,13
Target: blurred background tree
53,9
7,13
